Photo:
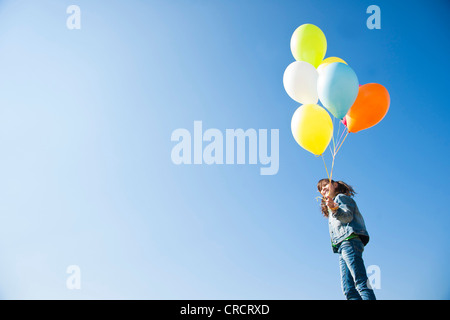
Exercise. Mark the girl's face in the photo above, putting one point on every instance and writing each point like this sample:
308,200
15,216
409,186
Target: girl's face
328,189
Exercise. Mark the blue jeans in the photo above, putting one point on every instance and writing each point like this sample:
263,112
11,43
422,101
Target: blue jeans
353,272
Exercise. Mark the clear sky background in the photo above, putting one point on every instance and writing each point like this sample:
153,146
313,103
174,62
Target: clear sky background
86,176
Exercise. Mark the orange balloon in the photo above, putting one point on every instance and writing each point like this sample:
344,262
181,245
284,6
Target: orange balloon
369,108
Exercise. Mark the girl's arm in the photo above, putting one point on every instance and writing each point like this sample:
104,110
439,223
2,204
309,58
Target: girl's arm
344,212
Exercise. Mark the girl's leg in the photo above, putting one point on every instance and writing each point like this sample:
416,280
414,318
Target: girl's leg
351,252
347,283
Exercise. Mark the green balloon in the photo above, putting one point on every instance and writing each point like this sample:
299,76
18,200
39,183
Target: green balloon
308,43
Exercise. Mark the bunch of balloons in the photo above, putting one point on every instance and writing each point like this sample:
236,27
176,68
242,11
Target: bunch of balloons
332,81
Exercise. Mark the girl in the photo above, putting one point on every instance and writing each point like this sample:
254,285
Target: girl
348,237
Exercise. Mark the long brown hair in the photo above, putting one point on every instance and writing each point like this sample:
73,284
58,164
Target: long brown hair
342,187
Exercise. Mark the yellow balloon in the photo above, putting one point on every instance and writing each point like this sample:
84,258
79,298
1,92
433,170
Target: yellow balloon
329,60
312,128
308,43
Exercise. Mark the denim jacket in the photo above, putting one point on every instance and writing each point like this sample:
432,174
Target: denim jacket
346,220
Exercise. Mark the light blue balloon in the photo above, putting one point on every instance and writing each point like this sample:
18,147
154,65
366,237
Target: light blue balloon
338,87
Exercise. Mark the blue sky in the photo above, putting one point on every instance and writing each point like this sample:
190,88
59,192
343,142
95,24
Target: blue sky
86,176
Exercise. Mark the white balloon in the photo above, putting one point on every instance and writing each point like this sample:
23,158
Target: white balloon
300,82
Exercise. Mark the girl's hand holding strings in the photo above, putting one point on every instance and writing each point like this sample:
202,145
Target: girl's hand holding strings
330,203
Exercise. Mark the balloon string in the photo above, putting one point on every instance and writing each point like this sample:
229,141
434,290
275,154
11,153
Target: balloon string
341,143
332,166
328,176
339,129
331,151
334,144
335,153
340,138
